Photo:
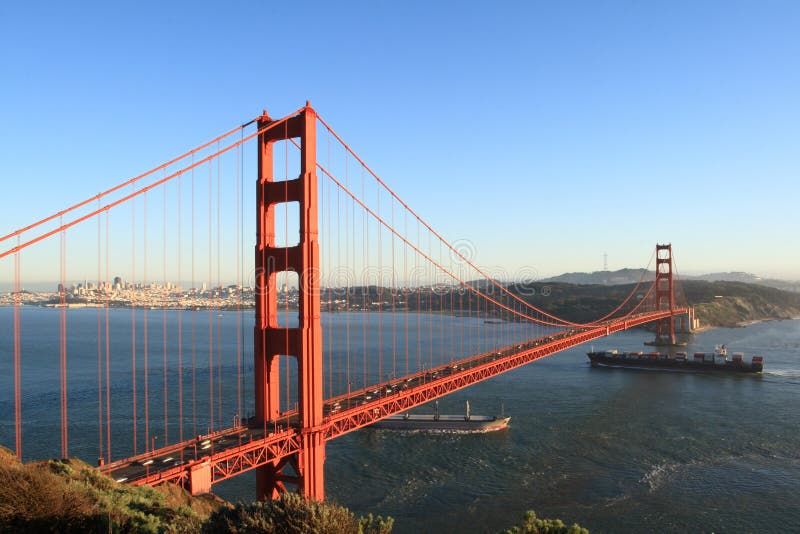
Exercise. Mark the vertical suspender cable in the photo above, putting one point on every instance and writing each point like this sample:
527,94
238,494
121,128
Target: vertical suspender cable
406,284
245,394
418,282
364,280
379,287
286,262
238,286
164,315
108,355
347,262
133,316
353,265
472,319
63,344
99,347
325,262
458,298
210,308
433,279
218,293
394,315
147,442
17,360
193,288
450,293
218,297
179,289
343,284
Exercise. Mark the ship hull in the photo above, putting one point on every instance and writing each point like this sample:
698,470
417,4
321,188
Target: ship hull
444,423
601,359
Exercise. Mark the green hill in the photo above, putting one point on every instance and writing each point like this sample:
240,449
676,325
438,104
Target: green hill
72,496
716,303
734,303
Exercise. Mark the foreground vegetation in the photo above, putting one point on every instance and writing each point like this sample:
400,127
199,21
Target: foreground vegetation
534,525
71,496
293,514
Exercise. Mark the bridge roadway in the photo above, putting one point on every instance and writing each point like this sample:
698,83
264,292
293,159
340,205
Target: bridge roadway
231,451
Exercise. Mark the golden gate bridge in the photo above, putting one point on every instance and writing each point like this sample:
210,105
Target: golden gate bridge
332,239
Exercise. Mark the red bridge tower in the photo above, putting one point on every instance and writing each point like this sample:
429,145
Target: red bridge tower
272,340
665,296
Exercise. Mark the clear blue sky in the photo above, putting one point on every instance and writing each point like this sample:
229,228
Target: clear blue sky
547,133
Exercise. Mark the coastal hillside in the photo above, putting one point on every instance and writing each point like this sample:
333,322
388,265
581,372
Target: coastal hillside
631,276
606,278
718,303
734,303
71,496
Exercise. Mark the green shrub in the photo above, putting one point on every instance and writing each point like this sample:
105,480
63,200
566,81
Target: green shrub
293,514
70,496
533,525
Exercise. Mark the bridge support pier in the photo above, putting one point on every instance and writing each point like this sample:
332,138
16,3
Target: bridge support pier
312,462
269,481
303,342
200,479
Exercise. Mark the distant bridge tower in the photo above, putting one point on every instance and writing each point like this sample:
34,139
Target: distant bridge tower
665,295
305,469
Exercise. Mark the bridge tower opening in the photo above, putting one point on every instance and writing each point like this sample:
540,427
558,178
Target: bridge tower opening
665,295
303,342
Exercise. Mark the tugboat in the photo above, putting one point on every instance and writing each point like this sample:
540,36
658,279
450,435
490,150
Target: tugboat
701,361
466,423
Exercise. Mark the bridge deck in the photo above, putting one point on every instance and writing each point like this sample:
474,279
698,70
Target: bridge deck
234,450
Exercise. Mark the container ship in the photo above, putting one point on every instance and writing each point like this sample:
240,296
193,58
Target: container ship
466,423
717,361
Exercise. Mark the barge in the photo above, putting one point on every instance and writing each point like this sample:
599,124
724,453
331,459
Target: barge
466,423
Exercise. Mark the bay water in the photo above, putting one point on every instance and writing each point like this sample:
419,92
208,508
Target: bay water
616,450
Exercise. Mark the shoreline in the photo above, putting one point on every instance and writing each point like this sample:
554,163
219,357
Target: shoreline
745,324
245,307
